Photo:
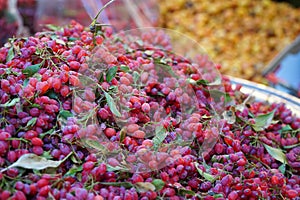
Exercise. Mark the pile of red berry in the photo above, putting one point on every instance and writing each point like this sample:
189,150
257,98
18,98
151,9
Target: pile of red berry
105,116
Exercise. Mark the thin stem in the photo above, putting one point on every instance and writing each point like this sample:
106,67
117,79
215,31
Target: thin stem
96,17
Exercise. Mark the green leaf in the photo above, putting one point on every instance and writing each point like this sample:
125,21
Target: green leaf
277,154
37,76
53,27
206,166
10,103
74,159
149,52
206,83
124,68
10,54
113,169
205,175
47,155
263,121
118,184
135,76
140,42
51,94
183,192
47,133
282,168
275,121
111,73
31,122
160,136
72,39
159,184
291,146
217,94
32,69
167,68
122,134
35,105
37,172
113,89
35,162
38,51
218,196
144,187
250,114
95,144
112,105
65,114
163,60
73,171
59,41
53,37
286,128
160,94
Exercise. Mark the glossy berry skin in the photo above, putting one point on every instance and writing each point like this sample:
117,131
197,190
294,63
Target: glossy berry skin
144,125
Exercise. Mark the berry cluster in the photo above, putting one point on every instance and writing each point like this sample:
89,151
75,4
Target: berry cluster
107,116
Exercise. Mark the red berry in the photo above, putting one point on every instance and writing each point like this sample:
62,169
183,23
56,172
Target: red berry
146,107
12,172
74,65
4,135
76,49
113,162
45,190
64,77
89,95
125,81
137,178
103,113
88,165
241,162
42,87
138,134
292,194
5,85
132,128
5,195
64,91
274,180
33,189
233,195
19,185
153,165
169,192
19,195
109,132
74,81
38,150
99,39
219,148
37,141
56,83
11,156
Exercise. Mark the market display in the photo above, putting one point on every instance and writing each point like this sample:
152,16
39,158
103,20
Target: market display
243,36
56,83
